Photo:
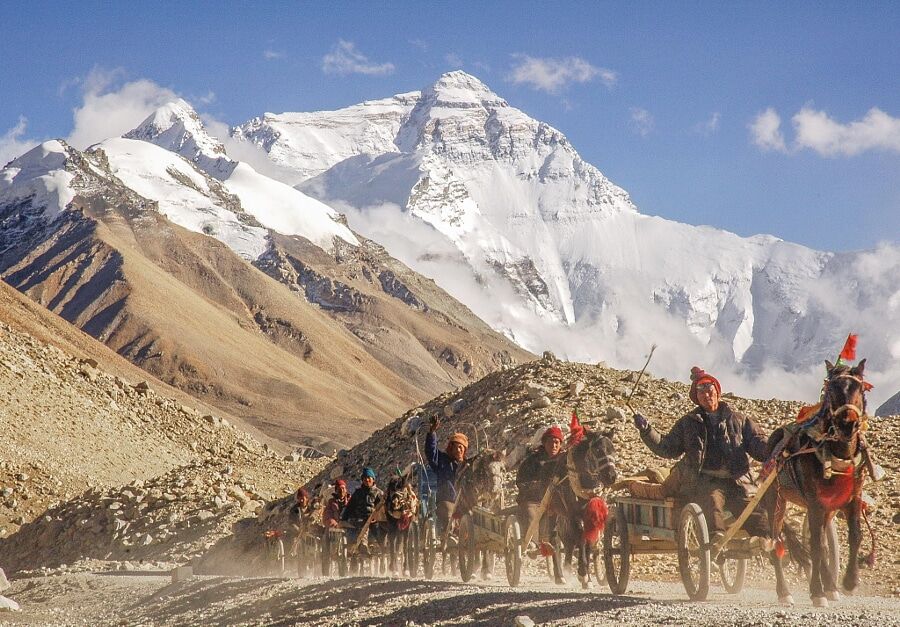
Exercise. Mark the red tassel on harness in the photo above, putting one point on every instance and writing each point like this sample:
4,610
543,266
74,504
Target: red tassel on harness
779,549
576,431
546,549
848,353
594,519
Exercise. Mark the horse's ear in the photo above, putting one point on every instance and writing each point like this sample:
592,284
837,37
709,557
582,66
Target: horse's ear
828,366
860,368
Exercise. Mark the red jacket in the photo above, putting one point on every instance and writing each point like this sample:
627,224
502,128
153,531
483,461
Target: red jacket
332,515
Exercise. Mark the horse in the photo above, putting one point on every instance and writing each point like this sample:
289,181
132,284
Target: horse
481,483
575,501
401,509
821,469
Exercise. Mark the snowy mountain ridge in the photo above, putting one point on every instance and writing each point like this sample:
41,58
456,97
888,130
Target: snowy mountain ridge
502,212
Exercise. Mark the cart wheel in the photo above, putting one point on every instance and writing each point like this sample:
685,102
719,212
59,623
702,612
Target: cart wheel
342,558
429,550
599,567
468,551
326,555
693,552
513,553
617,552
413,550
731,572
832,546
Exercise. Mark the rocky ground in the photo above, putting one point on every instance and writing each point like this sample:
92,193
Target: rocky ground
109,481
148,599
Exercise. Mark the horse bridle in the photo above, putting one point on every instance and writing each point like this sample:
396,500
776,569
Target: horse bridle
859,411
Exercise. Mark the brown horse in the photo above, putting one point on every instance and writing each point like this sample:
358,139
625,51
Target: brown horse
401,509
481,483
821,469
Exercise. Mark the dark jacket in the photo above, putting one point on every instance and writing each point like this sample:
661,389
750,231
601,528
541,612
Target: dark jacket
444,467
536,472
333,510
691,437
362,504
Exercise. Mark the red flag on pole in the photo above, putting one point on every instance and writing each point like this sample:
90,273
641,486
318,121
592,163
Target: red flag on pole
848,353
576,431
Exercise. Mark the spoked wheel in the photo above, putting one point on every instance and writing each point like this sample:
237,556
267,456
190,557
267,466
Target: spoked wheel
413,549
732,572
468,553
429,550
343,562
599,567
693,552
617,552
832,546
326,554
513,552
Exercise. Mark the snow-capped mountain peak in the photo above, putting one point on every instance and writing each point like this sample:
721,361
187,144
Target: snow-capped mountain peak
176,127
40,177
462,89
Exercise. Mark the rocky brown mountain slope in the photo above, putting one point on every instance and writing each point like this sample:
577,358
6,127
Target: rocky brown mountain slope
325,352
96,456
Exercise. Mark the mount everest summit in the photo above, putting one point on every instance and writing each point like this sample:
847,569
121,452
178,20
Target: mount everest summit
501,211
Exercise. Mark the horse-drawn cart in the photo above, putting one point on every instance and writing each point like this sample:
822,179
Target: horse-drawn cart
647,526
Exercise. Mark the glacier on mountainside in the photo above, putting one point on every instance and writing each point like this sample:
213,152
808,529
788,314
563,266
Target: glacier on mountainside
504,214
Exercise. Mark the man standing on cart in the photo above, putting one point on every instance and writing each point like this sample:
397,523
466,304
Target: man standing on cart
536,472
715,441
447,466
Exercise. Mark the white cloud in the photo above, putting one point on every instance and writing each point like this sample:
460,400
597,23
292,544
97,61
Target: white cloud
110,109
709,126
344,59
209,98
766,131
817,131
641,121
553,75
453,60
14,143
269,55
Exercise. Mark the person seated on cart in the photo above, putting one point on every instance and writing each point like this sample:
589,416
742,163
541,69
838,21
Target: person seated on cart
447,466
536,473
331,517
366,498
715,442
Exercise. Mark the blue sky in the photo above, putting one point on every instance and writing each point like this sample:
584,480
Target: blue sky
753,117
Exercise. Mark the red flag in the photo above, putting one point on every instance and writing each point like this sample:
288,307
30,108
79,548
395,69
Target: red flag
576,431
849,351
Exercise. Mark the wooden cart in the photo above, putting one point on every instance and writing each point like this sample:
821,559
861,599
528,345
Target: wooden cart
643,526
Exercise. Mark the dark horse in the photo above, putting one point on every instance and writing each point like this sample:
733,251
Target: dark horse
821,469
401,508
575,502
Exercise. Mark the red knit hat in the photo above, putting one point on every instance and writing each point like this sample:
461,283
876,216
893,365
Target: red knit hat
699,377
340,483
553,432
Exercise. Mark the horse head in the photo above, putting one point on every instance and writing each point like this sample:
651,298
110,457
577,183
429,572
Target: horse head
482,480
400,498
844,400
595,457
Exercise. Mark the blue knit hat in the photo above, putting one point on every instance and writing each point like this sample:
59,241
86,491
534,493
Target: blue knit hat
368,472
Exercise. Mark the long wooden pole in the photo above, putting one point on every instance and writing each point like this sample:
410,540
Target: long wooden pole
736,525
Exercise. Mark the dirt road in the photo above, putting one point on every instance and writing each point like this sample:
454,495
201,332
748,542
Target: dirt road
146,599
